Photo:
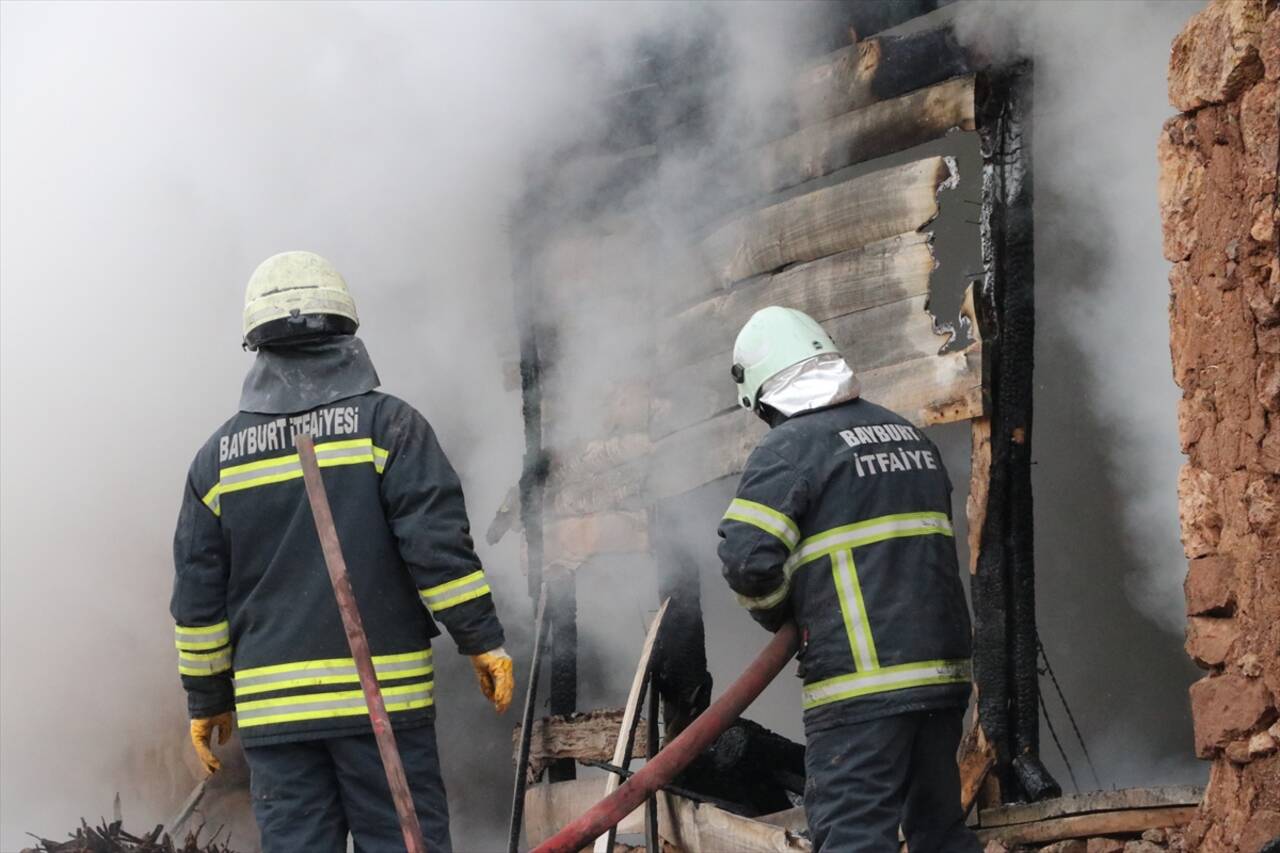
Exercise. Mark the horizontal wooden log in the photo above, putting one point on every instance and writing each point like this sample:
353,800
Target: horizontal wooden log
871,339
1092,801
570,542
876,274
590,735
930,390
1126,822
881,68
827,221
862,134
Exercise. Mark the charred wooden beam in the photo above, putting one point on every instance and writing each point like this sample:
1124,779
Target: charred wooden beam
880,68
1004,584
862,134
680,663
750,765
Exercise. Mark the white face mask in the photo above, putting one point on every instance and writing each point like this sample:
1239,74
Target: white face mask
823,380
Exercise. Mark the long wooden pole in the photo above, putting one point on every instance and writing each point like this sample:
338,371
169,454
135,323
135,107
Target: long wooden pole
526,726
359,644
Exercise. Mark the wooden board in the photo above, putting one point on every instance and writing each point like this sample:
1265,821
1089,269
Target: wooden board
630,713
592,734
1093,801
976,757
863,134
549,807
702,828
871,339
880,68
884,271
1126,822
827,221
931,390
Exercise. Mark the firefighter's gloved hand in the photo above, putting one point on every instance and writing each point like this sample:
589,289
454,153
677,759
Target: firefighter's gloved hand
494,669
202,738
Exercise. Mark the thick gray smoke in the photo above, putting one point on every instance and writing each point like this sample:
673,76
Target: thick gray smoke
152,154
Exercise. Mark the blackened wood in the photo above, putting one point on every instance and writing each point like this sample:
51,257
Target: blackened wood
526,727
680,664
359,643
1004,586
562,607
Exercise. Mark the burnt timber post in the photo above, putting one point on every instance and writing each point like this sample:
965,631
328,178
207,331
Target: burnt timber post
562,610
1005,639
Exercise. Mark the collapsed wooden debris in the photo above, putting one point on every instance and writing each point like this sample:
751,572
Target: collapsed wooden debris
112,838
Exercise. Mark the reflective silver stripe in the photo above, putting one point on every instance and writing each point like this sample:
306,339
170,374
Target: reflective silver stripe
384,671
851,606
765,518
288,465
772,599
446,595
344,452
321,705
889,678
868,532
194,663
201,639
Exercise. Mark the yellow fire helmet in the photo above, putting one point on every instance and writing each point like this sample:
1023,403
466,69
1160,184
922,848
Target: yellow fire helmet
296,295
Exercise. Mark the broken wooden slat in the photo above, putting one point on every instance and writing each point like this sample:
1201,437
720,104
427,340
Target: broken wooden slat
870,339
627,727
827,221
931,390
570,542
976,758
863,134
1093,801
1127,821
876,274
592,735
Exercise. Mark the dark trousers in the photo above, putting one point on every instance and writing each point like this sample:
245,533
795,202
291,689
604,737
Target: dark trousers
866,779
308,796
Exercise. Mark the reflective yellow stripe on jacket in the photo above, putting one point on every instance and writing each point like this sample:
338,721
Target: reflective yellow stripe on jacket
297,706
203,650
884,679
278,469
455,592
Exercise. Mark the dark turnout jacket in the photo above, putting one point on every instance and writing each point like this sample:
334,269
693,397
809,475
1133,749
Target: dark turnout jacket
842,521
258,629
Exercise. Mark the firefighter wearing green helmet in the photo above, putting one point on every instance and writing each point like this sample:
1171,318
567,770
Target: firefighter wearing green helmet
842,523
258,630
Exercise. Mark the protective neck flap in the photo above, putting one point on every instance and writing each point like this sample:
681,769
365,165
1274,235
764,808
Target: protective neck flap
289,379
814,383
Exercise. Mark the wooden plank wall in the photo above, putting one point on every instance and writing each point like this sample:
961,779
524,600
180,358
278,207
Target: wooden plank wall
856,254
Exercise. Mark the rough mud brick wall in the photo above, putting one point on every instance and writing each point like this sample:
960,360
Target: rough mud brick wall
1218,200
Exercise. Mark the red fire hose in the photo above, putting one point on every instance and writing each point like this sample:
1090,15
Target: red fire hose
675,756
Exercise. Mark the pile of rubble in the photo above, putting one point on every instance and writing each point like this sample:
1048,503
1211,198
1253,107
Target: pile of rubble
112,838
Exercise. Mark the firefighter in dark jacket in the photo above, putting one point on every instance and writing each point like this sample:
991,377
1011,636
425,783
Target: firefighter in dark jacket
258,630
842,522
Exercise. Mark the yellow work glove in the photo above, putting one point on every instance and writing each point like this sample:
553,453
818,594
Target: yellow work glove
497,678
202,737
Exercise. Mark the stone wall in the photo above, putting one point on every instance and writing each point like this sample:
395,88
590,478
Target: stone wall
1218,199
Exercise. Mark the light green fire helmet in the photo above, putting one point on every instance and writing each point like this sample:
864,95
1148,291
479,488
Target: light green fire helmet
296,295
771,341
